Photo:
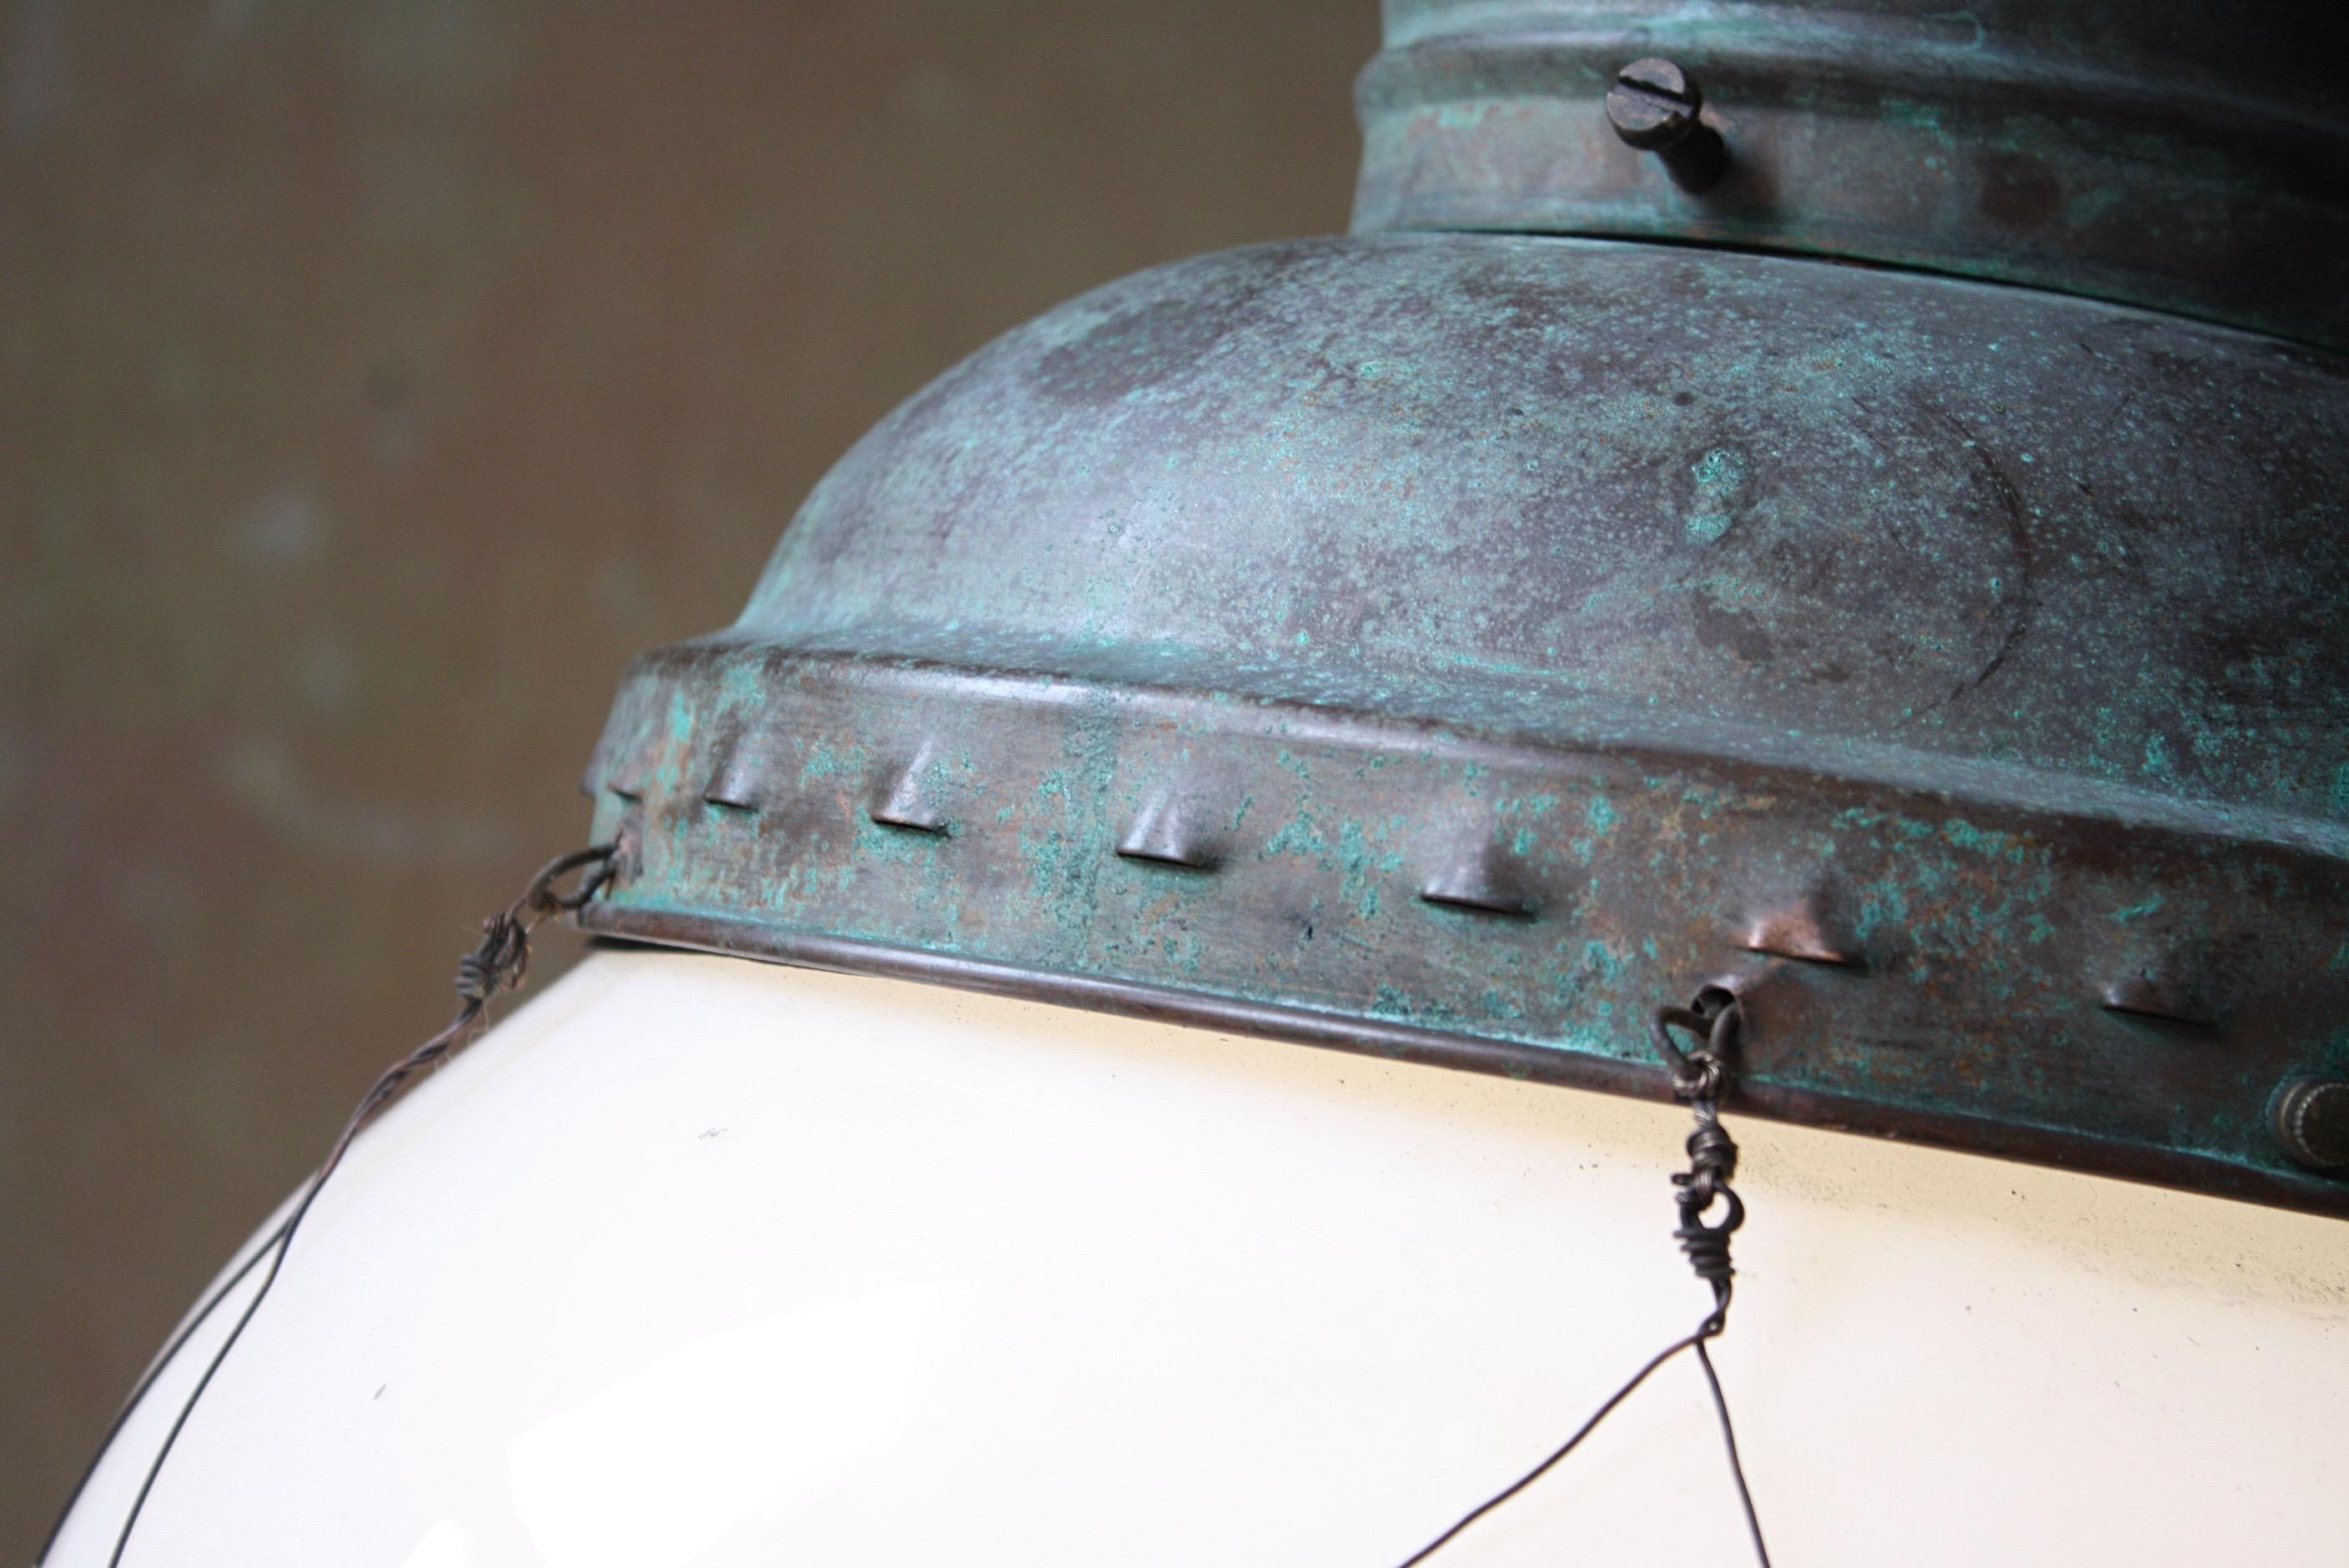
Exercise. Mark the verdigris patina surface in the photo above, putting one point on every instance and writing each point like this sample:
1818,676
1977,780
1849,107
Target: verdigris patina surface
1456,646
2154,151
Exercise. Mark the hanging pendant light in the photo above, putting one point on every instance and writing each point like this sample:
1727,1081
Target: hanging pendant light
1580,592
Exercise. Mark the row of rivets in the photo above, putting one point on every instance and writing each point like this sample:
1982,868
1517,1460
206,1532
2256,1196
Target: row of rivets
2311,1117
1801,931
1169,831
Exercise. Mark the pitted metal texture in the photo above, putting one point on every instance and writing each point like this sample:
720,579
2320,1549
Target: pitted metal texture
2150,151
1448,647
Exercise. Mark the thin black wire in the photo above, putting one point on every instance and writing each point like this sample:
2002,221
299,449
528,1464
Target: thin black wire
1567,1447
188,1406
499,962
1728,1435
147,1379
1699,1077
1729,1444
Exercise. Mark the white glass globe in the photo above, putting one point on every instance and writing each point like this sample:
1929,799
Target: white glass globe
695,1262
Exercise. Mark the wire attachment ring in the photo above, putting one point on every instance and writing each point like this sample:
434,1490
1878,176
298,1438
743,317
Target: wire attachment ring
1700,1078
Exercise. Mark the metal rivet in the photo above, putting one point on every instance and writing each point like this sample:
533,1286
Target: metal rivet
2311,1117
1483,882
1168,833
734,782
1655,105
1801,931
629,779
909,800
2151,994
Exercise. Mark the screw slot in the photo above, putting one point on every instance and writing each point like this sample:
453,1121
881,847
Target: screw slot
1656,106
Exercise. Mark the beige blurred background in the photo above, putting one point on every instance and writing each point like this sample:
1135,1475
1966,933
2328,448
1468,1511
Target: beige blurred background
374,380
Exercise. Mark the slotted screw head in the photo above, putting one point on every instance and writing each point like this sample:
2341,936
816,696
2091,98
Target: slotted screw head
1653,104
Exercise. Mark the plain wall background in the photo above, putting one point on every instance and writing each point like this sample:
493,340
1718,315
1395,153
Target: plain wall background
375,378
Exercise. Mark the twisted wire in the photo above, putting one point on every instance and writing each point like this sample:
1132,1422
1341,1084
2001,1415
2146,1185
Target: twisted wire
1700,1078
1712,1162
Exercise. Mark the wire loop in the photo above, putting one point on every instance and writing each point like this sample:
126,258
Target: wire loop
1700,1077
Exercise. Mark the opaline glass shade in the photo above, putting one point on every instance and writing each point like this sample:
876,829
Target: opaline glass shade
695,1263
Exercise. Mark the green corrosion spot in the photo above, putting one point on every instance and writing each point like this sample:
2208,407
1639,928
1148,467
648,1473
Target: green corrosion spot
822,762
1359,855
1720,484
1885,905
1536,805
1985,840
1298,836
741,685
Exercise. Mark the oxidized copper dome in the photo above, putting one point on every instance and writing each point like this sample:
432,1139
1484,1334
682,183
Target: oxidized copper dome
1455,645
